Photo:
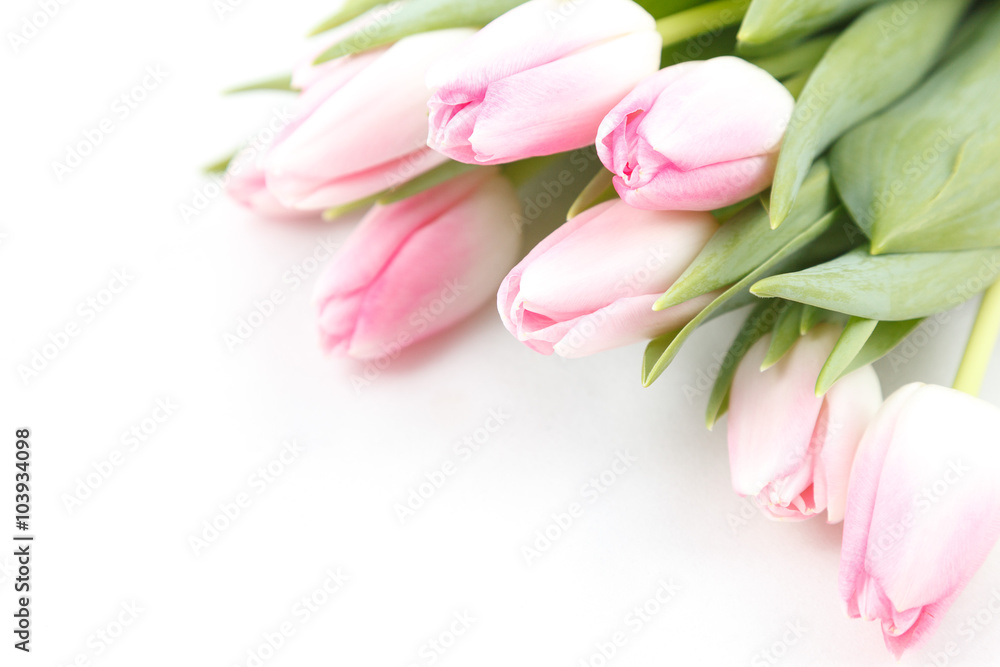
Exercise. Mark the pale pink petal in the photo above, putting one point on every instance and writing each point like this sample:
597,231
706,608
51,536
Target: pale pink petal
763,449
849,407
704,189
558,106
619,253
863,491
532,34
444,271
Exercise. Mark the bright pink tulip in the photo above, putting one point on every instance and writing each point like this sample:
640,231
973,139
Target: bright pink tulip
788,448
923,510
696,136
413,268
539,79
591,284
360,127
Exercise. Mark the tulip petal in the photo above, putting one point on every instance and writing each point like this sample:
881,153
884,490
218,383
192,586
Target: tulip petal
557,106
763,449
849,407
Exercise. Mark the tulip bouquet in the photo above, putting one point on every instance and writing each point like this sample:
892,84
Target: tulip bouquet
830,165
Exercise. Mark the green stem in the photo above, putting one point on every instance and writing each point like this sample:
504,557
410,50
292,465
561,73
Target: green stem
797,83
805,56
710,17
981,342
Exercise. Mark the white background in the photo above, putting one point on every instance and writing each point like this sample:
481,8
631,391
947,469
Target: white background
671,517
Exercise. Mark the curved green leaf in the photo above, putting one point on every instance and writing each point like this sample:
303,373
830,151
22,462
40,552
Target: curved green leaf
403,19
746,241
350,9
282,82
783,20
786,332
426,181
922,176
868,67
661,351
760,321
888,287
863,342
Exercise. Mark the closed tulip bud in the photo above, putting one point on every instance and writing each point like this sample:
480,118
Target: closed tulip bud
696,136
418,266
245,183
788,448
923,511
539,79
360,127
591,284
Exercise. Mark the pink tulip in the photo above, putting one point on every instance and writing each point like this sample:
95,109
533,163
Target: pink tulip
788,448
418,266
923,510
539,79
696,136
360,127
244,182
591,284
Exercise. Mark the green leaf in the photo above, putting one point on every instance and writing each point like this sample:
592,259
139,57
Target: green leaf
661,351
849,345
350,9
760,321
747,240
922,176
888,287
867,68
436,176
412,17
811,316
784,20
282,82
337,211
597,191
220,165
786,332
863,342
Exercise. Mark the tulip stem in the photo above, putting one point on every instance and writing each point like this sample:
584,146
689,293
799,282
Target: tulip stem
981,343
711,17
